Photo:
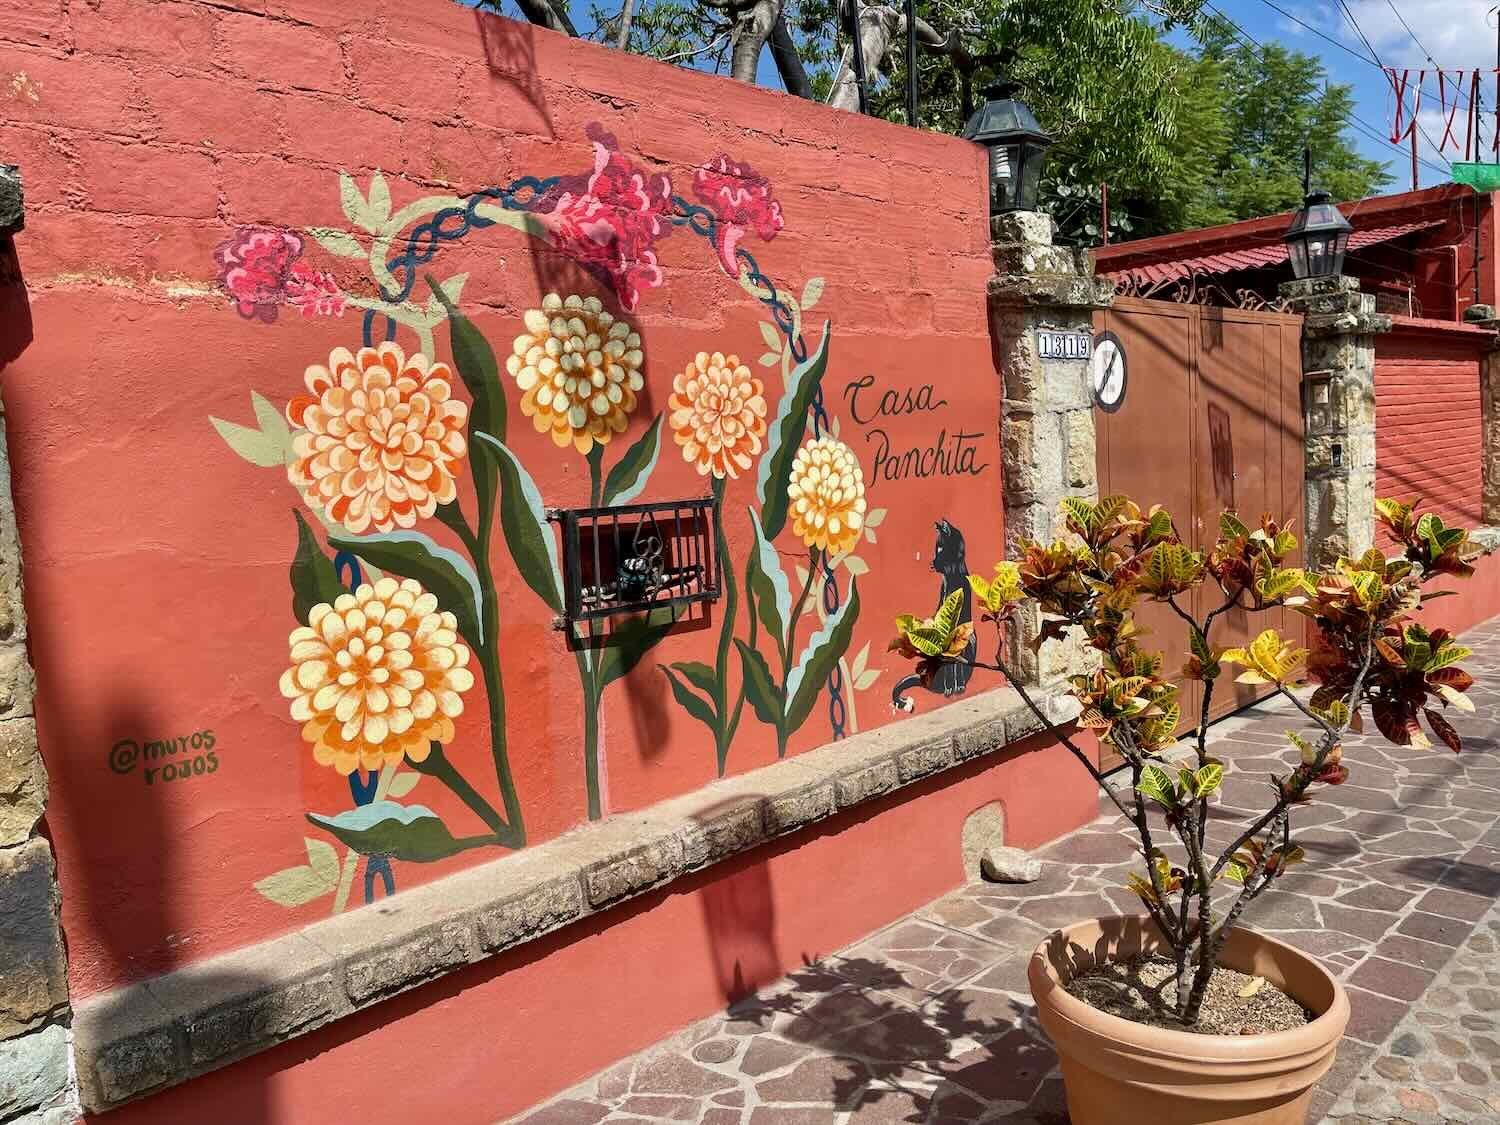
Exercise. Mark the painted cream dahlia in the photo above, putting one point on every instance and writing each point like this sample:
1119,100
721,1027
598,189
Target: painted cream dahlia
827,492
382,436
718,414
376,675
578,369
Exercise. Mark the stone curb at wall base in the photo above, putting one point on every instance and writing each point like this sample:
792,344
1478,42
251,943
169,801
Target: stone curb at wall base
146,1037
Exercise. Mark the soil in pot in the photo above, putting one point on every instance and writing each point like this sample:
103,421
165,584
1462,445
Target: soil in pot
1143,990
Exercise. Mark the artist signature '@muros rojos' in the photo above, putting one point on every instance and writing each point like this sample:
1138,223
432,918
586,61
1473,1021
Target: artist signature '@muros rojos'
166,759
946,455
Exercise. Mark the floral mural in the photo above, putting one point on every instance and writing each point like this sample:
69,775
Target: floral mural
403,464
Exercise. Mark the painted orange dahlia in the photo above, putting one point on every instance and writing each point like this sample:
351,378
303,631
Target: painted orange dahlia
718,414
578,369
827,492
382,437
377,675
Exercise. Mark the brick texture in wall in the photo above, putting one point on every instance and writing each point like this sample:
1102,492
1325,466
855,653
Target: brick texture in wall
153,131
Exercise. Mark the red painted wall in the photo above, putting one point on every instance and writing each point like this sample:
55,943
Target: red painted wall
552,1013
156,138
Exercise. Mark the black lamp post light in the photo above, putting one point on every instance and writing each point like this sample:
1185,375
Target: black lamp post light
1017,147
1318,237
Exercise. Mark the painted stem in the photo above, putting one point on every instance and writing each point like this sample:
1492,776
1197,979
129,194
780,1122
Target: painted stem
588,673
437,765
351,860
513,830
787,651
726,722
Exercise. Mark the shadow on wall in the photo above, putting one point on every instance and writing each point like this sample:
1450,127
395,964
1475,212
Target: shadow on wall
15,310
739,915
618,272
90,775
510,53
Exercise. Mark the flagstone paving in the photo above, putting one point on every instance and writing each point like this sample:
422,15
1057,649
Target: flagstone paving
929,1020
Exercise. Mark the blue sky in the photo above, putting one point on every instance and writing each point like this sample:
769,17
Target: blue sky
1458,33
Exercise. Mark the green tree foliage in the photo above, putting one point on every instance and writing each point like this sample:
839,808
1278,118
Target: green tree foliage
1244,116
1183,138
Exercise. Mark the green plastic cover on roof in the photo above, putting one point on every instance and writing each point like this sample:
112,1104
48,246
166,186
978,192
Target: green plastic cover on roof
1480,177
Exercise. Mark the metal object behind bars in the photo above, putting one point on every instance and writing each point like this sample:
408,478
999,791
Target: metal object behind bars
633,558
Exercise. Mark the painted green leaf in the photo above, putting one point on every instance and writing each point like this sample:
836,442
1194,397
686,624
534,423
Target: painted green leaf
772,337
268,445
356,209
785,436
295,886
379,200
767,583
629,640
700,675
452,290
475,361
770,359
255,446
323,858
628,478
689,700
314,580
410,832
824,647
812,292
760,685
339,242
523,520
445,573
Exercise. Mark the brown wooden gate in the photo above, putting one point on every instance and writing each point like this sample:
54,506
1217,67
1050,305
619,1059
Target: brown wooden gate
1211,420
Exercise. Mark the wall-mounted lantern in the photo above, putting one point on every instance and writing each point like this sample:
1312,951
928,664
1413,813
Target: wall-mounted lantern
1318,237
1017,147
633,558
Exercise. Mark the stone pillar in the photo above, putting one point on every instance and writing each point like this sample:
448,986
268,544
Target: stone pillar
1047,411
1489,398
36,1086
1338,414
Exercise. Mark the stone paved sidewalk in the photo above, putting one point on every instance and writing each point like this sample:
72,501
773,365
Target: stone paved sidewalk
929,1020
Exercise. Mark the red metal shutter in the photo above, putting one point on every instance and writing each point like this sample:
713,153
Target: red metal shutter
1428,441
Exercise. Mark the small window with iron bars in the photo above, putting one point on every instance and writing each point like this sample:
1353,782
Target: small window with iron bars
634,558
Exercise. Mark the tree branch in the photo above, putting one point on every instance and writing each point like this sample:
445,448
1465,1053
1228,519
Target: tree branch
752,27
788,62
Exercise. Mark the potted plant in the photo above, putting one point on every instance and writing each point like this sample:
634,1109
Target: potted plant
1135,1005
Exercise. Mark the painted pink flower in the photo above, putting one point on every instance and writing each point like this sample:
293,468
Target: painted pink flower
610,220
314,292
254,267
741,199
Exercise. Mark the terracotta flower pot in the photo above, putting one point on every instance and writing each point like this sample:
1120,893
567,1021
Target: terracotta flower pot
1117,1071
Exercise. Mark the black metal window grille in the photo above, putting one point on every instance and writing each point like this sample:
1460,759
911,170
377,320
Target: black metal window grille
633,558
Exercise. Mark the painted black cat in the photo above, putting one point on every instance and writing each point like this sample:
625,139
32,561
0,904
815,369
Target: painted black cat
948,560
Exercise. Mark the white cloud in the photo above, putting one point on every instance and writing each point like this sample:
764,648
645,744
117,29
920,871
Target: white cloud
1459,33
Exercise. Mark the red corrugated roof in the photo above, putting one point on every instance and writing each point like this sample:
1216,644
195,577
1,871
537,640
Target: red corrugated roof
1252,257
